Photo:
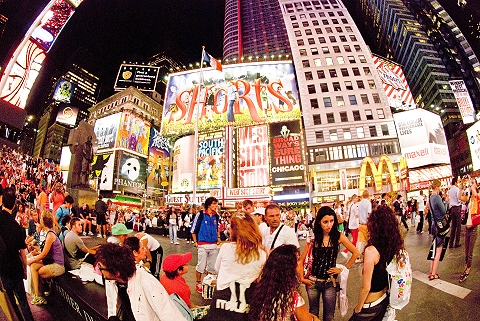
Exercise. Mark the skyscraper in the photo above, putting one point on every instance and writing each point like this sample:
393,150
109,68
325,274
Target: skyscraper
344,108
254,29
420,35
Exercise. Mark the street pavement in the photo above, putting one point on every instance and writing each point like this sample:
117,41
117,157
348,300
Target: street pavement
440,300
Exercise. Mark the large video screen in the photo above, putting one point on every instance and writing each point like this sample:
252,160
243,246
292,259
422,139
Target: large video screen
245,94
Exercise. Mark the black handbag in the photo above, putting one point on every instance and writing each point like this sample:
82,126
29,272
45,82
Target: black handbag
443,226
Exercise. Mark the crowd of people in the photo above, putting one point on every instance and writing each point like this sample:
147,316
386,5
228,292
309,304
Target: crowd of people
253,251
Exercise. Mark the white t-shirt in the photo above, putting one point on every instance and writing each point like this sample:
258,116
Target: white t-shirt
229,270
152,243
420,203
353,222
286,236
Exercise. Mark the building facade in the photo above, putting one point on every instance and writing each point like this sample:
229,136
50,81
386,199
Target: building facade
344,108
254,30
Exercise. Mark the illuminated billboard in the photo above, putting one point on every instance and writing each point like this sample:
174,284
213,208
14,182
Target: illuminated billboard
133,133
473,134
253,165
106,130
132,173
245,94
52,23
22,75
394,84
421,138
183,165
64,91
102,171
67,115
141,77
287,157
210,160
464,101
158,164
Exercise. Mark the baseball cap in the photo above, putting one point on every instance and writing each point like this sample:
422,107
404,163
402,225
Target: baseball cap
120,229
260,210
174,261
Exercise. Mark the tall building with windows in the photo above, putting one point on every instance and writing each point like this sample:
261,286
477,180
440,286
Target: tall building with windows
254,30
421,36
345,111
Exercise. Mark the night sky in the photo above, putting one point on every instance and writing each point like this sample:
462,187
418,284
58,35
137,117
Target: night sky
102,34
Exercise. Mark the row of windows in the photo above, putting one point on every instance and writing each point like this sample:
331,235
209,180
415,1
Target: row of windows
321,74
326,50
317,119
331,39
347,133
348,85
327,101
316,23
354,151
330,61
319,31
307,6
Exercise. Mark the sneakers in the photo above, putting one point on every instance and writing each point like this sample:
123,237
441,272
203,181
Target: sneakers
90,233
38,300
198,288
188,242
176,243
171,242
98,235
84,234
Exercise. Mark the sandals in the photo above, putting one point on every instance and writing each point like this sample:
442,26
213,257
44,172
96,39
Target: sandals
433,277
463,277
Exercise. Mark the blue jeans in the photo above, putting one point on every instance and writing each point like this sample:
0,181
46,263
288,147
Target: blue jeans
374,313
16,289
172,231
329,298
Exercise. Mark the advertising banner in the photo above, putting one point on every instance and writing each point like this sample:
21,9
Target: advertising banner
430,173
421,138
64,91
183,164
158,167
464,101
253,164
102,171
141,77
287,158
132,173
246,94
23,74
394,84
67,115
473,134
210,160
106,130
133,133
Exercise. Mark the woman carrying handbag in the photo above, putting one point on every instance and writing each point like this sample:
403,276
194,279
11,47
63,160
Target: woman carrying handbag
437,210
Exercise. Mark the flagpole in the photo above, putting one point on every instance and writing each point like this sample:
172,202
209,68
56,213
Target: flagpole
195,158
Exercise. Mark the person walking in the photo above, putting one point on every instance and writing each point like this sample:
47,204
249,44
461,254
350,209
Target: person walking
101,211
373,299
420,209
437,210
470,230
455,205
323,251
352,218
172,219
206,237
364,210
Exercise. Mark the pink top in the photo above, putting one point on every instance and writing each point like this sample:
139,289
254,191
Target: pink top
58,200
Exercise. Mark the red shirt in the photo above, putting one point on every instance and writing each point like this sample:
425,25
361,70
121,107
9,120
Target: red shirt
178,285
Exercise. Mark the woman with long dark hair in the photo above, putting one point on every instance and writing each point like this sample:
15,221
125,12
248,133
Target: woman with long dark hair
383,244
323,250
239,263
277,296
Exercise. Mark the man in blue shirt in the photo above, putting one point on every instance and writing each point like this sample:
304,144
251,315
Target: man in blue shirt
205,235
64,210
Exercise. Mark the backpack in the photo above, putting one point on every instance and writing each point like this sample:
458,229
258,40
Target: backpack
400,272
182,306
